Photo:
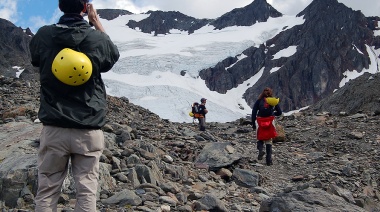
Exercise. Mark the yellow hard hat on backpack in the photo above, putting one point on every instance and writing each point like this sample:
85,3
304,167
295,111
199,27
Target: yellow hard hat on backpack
272,101
72,67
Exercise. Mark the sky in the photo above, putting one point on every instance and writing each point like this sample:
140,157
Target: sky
36,13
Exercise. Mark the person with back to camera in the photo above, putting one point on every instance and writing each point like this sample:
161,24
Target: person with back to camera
202,118
263,114
71,56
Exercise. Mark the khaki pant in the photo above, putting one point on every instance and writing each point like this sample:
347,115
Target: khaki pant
57,145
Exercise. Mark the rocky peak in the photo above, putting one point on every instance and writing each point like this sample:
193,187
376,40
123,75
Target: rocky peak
14,50
29,32
257,11
331,41
337,19
161,22
318,7
111,14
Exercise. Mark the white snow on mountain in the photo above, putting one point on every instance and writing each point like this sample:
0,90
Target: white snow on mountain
373,68
161,73
148,72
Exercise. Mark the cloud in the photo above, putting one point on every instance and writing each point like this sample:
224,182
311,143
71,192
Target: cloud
291,7
35,22
7,10
367,7
194,8
204,9
130,5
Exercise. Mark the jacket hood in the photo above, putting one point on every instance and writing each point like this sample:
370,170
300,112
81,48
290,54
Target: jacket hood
70,31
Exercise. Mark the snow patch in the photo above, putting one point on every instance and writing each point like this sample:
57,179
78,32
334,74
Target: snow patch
285,52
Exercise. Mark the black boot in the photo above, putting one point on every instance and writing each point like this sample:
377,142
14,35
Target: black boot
269,154
260,147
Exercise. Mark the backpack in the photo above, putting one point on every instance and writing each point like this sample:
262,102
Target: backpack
195,109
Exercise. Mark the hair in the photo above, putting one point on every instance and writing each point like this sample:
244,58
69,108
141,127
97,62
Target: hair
72,6
267,92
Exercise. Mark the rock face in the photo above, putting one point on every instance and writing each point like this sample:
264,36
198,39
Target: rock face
257,11
303,200
110,14
328,44
224,77
325,163
14,50
357,96
161,22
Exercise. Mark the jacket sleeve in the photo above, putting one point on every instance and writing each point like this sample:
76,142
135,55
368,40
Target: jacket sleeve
111,57
254,111
34,53
277,110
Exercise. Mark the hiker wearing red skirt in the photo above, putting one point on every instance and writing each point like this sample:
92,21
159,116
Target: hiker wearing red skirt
263,115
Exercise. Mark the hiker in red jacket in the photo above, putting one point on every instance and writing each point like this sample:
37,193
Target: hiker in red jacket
263,113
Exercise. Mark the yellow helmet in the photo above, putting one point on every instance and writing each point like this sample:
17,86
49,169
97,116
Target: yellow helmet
72,67
272,101
191,114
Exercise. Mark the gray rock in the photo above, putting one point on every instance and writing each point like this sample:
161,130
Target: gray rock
123,198
215,155
310,199
246,178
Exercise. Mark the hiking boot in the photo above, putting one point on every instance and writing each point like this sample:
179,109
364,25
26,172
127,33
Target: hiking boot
269,163
261,155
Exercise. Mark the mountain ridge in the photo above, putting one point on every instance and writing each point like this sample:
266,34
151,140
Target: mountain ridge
257,11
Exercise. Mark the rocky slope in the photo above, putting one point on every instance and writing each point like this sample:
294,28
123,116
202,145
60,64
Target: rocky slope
357,96
323,162
14,50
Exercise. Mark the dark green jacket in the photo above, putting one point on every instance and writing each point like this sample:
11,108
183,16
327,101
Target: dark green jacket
68,106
